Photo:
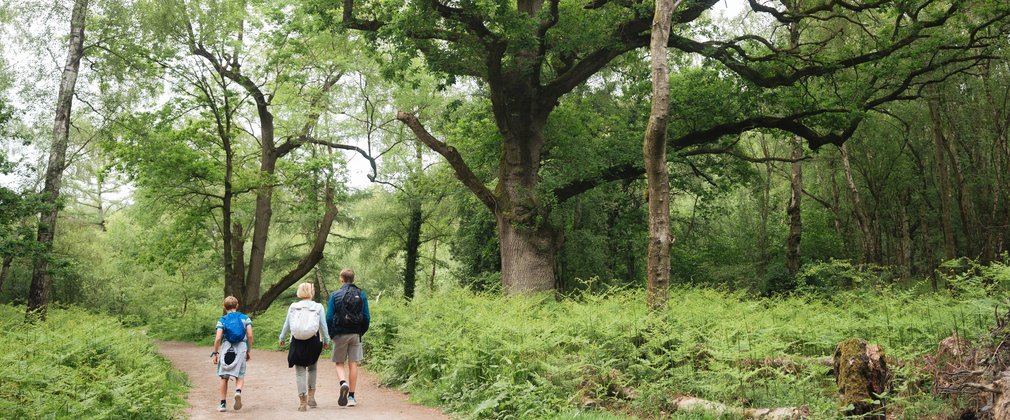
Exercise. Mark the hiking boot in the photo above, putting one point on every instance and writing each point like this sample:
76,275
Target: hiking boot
222,407
351,402
301,402
344,389
311,398
238,400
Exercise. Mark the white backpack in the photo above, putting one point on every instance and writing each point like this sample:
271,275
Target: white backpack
305,322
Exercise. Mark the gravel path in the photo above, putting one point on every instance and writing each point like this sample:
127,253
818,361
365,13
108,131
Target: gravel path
270,393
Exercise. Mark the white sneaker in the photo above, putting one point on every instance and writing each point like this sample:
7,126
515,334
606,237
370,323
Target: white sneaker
351,402
222,407
238,400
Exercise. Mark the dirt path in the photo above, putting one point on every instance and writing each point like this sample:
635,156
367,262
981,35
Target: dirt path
270,392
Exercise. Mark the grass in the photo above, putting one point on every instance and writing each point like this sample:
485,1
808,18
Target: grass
80,365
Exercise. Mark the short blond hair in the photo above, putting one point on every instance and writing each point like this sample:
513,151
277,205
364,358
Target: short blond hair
230,303
306,291
347,276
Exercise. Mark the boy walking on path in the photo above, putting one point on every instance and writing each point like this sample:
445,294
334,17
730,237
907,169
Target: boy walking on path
233,339
347,319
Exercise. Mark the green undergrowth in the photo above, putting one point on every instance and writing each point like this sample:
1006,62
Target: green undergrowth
80,365
521,357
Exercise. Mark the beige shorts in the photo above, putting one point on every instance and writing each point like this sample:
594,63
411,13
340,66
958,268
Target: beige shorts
346,347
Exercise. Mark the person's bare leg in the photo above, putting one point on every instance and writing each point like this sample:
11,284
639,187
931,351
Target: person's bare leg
341,372
224,388
353,376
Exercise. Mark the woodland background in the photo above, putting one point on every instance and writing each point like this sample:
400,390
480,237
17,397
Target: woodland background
835,169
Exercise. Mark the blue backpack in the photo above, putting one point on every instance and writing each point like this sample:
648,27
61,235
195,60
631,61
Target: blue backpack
234,328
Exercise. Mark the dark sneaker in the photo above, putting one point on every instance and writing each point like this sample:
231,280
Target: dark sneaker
351,402
238,401
344,389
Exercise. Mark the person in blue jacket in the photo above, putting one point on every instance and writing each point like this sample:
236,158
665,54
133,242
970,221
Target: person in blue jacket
347,319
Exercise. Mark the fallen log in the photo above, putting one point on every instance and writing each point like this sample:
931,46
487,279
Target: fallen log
689,404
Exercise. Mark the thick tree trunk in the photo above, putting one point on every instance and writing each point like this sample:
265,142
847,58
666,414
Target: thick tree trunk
38,295
528,243
793,261
871,247
527,257
413,245
654,149
949,244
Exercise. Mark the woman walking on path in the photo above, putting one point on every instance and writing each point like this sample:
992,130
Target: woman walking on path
305,322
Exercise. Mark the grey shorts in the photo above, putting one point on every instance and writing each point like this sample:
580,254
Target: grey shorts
346,347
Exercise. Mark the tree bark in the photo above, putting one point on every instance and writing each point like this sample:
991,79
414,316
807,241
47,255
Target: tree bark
871,248
949,244
654,149
38,295
793,261
411,256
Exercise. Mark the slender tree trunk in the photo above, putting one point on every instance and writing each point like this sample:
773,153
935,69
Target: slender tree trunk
871,252
657,177
964,204
434,265
264,210
5,270
322,292
927,244
763,214
413,245
793,261
38,295
234,284
906,238
949,244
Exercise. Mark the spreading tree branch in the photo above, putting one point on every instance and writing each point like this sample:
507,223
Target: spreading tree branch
459,166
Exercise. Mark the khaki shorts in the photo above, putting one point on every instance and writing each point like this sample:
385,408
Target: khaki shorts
346,347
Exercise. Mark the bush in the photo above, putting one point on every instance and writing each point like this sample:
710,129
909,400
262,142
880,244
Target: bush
79,365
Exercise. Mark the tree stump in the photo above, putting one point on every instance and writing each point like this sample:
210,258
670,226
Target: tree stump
861,375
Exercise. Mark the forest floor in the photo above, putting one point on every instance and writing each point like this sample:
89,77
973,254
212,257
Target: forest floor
270,393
